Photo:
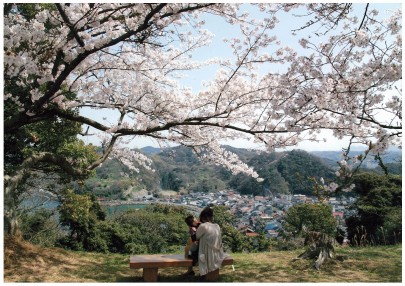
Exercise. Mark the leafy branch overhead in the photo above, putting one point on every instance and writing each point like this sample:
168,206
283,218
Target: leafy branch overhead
126,57
129,60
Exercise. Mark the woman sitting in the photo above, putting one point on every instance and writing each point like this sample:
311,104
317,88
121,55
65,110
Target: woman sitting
211,253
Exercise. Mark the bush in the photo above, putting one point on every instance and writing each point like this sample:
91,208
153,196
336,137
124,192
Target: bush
134,248
157,226
302,218
69,243
378,219
40,227
174,248
97,242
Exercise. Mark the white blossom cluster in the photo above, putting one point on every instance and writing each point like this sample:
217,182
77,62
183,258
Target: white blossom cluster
131,159
131,58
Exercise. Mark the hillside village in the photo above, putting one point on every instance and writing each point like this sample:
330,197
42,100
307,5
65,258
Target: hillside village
251,211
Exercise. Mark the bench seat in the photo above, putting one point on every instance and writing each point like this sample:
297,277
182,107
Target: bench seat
151,263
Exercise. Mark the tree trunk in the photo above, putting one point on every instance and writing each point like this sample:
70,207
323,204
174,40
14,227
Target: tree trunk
10,213
13,187
320,247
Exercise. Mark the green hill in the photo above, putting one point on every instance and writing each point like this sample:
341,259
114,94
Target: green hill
178,169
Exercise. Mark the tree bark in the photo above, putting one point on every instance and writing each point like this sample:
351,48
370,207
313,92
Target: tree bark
11,187
320,247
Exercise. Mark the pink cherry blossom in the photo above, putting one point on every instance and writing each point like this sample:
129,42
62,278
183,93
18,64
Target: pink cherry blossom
133,58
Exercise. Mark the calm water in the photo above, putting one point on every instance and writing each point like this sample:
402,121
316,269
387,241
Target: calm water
113,210
35,203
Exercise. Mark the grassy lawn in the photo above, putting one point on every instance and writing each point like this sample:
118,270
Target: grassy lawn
29,263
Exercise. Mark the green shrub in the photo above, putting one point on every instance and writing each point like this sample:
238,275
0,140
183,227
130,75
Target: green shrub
97,242
378,218
69,243
134,248
302,218
40,227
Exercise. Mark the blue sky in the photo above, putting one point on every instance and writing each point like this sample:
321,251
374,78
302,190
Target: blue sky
220,49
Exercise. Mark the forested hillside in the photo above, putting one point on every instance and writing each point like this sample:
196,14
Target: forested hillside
392,159
178,169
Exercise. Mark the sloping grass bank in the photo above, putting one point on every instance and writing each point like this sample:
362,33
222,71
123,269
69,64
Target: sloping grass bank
24,262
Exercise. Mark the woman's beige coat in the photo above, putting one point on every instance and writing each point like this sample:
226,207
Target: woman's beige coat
211,253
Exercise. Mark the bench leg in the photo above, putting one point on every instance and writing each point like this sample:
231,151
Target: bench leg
212,276
150,274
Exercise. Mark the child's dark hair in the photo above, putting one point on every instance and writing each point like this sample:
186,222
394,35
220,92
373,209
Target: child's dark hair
189,220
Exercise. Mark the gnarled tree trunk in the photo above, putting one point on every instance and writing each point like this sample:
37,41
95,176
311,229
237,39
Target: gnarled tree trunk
11,186
320,247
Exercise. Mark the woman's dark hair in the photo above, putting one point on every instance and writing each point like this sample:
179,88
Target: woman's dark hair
207,214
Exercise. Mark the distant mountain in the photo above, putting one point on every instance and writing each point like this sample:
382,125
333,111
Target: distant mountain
148,150
179,169
393,155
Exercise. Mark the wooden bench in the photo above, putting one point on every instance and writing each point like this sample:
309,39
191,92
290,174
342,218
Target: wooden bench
151,263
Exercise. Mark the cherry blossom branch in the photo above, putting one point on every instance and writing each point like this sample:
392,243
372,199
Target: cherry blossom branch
67,21
364,16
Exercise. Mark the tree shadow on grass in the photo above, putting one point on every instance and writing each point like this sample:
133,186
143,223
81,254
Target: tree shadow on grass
163,276
170,275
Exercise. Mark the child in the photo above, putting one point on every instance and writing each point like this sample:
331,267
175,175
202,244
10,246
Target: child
192,247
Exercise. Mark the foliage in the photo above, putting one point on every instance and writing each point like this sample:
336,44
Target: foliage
378,210
298,167
153,229
285,242
171,182
80,213
109,236
275,182
158,228
40,227
48,145
129,59
392,168
222,216
285,172
100,50
246,185
303,218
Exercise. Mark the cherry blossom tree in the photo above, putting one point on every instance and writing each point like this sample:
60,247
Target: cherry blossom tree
131,58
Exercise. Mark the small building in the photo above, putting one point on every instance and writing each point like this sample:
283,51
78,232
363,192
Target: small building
271,234
272,225
337,214
251,233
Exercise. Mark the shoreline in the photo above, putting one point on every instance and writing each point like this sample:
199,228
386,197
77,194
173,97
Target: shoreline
114,203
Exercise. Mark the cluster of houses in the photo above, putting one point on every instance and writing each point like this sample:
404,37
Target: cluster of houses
254,213
257,212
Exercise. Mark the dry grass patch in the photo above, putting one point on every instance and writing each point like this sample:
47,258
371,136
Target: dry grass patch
25,262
